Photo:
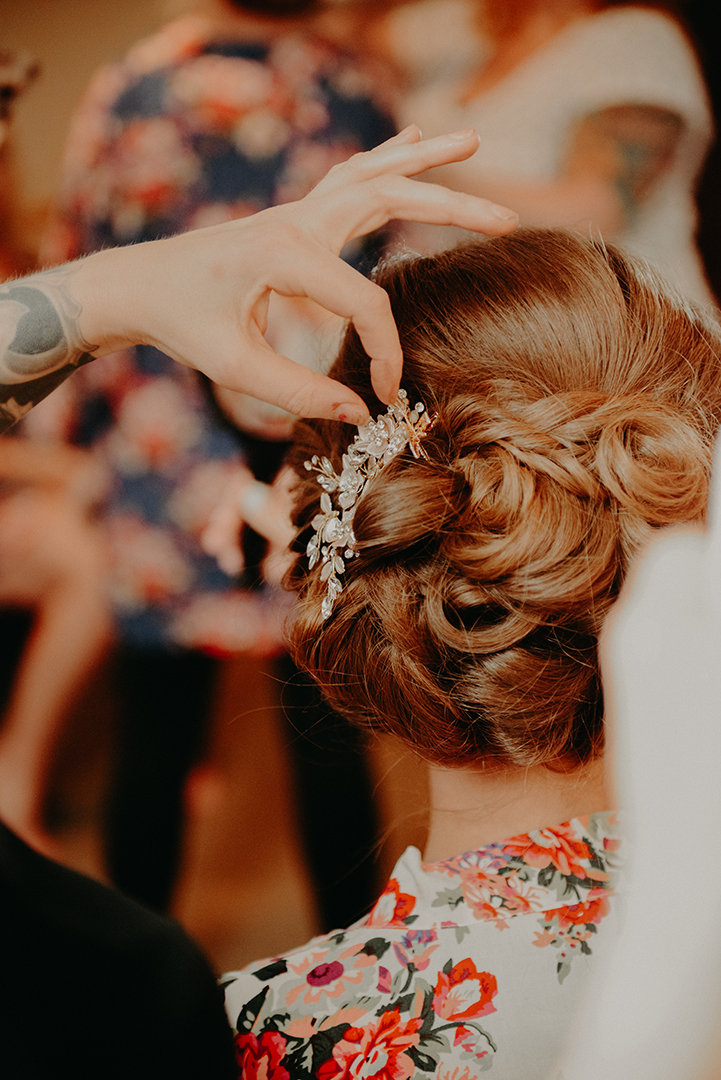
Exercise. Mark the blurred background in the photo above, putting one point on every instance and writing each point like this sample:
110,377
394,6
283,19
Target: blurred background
264,788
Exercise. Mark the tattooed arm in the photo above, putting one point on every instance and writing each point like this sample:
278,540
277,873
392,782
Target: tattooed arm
622,151
614,159
40,340
202,297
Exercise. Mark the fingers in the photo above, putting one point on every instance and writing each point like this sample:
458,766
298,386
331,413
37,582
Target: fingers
411,200
298,389
406,154
337,287
221,536
351,209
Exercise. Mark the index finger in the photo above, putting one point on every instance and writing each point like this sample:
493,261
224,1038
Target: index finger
402,157
337,287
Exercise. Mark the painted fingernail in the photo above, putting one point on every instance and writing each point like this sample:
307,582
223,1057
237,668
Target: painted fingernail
461,136
503,212
348,413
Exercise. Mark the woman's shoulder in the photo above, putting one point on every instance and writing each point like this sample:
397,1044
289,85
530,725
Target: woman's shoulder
419,978
630,54
626,31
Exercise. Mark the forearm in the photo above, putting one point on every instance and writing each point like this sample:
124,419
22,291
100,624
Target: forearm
41,341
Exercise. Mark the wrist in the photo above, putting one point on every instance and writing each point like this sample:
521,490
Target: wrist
105,287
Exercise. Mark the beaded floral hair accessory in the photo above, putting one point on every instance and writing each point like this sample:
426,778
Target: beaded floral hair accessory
376,443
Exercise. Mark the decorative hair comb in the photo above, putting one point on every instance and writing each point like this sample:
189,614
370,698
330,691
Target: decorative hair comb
376,443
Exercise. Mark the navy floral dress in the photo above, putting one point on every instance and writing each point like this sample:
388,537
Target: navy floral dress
185,132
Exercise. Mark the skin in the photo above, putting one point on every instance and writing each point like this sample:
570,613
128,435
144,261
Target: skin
615,157
202,297
473,807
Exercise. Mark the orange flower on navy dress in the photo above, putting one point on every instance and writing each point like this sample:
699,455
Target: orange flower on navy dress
463,992
259,1057
376,1052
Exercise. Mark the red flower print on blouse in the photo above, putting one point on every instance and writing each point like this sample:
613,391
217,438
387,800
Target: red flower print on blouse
260,1058
376,1052
559,846
590,911
392,907
464,992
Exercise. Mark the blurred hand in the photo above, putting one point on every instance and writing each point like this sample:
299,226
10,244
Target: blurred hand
266,509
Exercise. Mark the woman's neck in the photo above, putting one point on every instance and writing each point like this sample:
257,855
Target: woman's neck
518,28
474,807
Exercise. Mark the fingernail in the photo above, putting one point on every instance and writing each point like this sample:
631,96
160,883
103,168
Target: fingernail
461,136
503,212
407,130
348,413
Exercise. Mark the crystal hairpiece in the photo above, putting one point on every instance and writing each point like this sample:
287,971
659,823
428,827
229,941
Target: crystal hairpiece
376,443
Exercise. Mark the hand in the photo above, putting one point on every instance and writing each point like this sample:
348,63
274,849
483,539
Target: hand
203,297
266,508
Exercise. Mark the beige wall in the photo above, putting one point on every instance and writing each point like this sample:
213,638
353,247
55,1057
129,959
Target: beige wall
70,38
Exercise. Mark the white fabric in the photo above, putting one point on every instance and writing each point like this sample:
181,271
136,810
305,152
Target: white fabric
620,56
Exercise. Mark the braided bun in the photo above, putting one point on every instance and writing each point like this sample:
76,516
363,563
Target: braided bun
577,403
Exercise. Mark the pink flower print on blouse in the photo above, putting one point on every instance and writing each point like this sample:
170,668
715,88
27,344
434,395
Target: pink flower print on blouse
327,976
415,948
590,912
474,1044
377,1051
392,908
494,897
464,993
570,928
456,1073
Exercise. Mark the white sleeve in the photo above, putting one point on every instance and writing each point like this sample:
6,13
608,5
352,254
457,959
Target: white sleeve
637,56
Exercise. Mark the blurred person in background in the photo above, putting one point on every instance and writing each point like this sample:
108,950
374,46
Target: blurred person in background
592,115
89,980
233,108
54,614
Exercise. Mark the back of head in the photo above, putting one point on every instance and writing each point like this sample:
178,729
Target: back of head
577,402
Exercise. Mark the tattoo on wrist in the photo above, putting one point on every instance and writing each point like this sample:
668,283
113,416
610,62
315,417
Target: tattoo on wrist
40,341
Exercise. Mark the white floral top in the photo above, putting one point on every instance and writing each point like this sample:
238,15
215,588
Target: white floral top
461,967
